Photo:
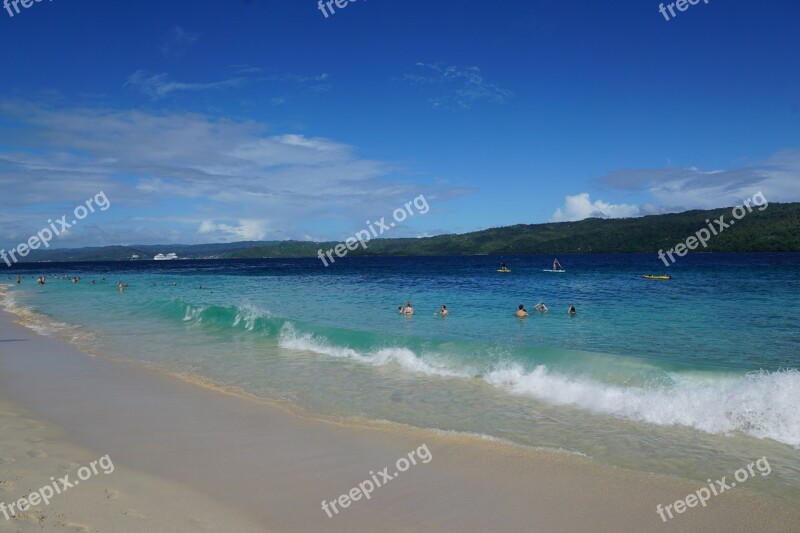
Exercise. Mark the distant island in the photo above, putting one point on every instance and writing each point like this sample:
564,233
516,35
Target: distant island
776,229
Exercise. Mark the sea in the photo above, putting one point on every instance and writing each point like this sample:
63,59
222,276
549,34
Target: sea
693,377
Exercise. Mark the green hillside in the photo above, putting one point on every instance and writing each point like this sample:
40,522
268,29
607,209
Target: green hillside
776,229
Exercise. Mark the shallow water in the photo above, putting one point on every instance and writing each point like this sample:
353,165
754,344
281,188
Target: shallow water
694,377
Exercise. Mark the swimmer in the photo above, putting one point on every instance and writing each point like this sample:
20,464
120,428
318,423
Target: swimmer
443,311
521,312
408,311
400,309
540,307
572,310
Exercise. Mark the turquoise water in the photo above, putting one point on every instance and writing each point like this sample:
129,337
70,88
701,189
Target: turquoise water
693,377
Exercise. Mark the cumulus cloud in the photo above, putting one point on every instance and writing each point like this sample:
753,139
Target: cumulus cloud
245,230
580,206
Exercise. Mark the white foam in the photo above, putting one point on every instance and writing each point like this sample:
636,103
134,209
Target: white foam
760,404
403,357
249,313
193,314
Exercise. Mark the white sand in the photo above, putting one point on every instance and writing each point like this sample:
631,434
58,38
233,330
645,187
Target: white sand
124,500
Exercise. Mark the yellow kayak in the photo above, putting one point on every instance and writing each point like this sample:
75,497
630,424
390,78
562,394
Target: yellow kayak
657,277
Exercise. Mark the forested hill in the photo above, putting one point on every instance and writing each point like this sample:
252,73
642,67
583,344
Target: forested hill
775,229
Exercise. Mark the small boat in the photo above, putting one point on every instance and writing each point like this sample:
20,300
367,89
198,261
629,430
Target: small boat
648,276
168,257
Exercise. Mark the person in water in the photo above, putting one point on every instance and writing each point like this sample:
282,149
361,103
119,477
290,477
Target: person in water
557,264
521,312
540,307
408,311
443,311
572,310
400,309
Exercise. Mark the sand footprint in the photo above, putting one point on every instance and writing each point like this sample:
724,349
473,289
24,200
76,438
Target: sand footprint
76,527
7,460
6,486
37,454
112,494
133,513
34,516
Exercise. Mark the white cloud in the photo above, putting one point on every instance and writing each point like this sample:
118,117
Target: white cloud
160,85
175,171
178,42
456,87
679,189
580,206
315,84
246,230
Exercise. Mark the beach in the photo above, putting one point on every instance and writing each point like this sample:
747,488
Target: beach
406,267
191,456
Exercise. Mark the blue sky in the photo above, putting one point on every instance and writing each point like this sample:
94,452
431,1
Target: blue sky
263,119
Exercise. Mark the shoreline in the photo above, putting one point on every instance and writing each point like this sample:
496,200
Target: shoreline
282,464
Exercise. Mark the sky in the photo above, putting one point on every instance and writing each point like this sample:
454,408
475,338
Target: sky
218,121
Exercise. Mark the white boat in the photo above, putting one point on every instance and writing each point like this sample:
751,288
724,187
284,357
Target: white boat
168,257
